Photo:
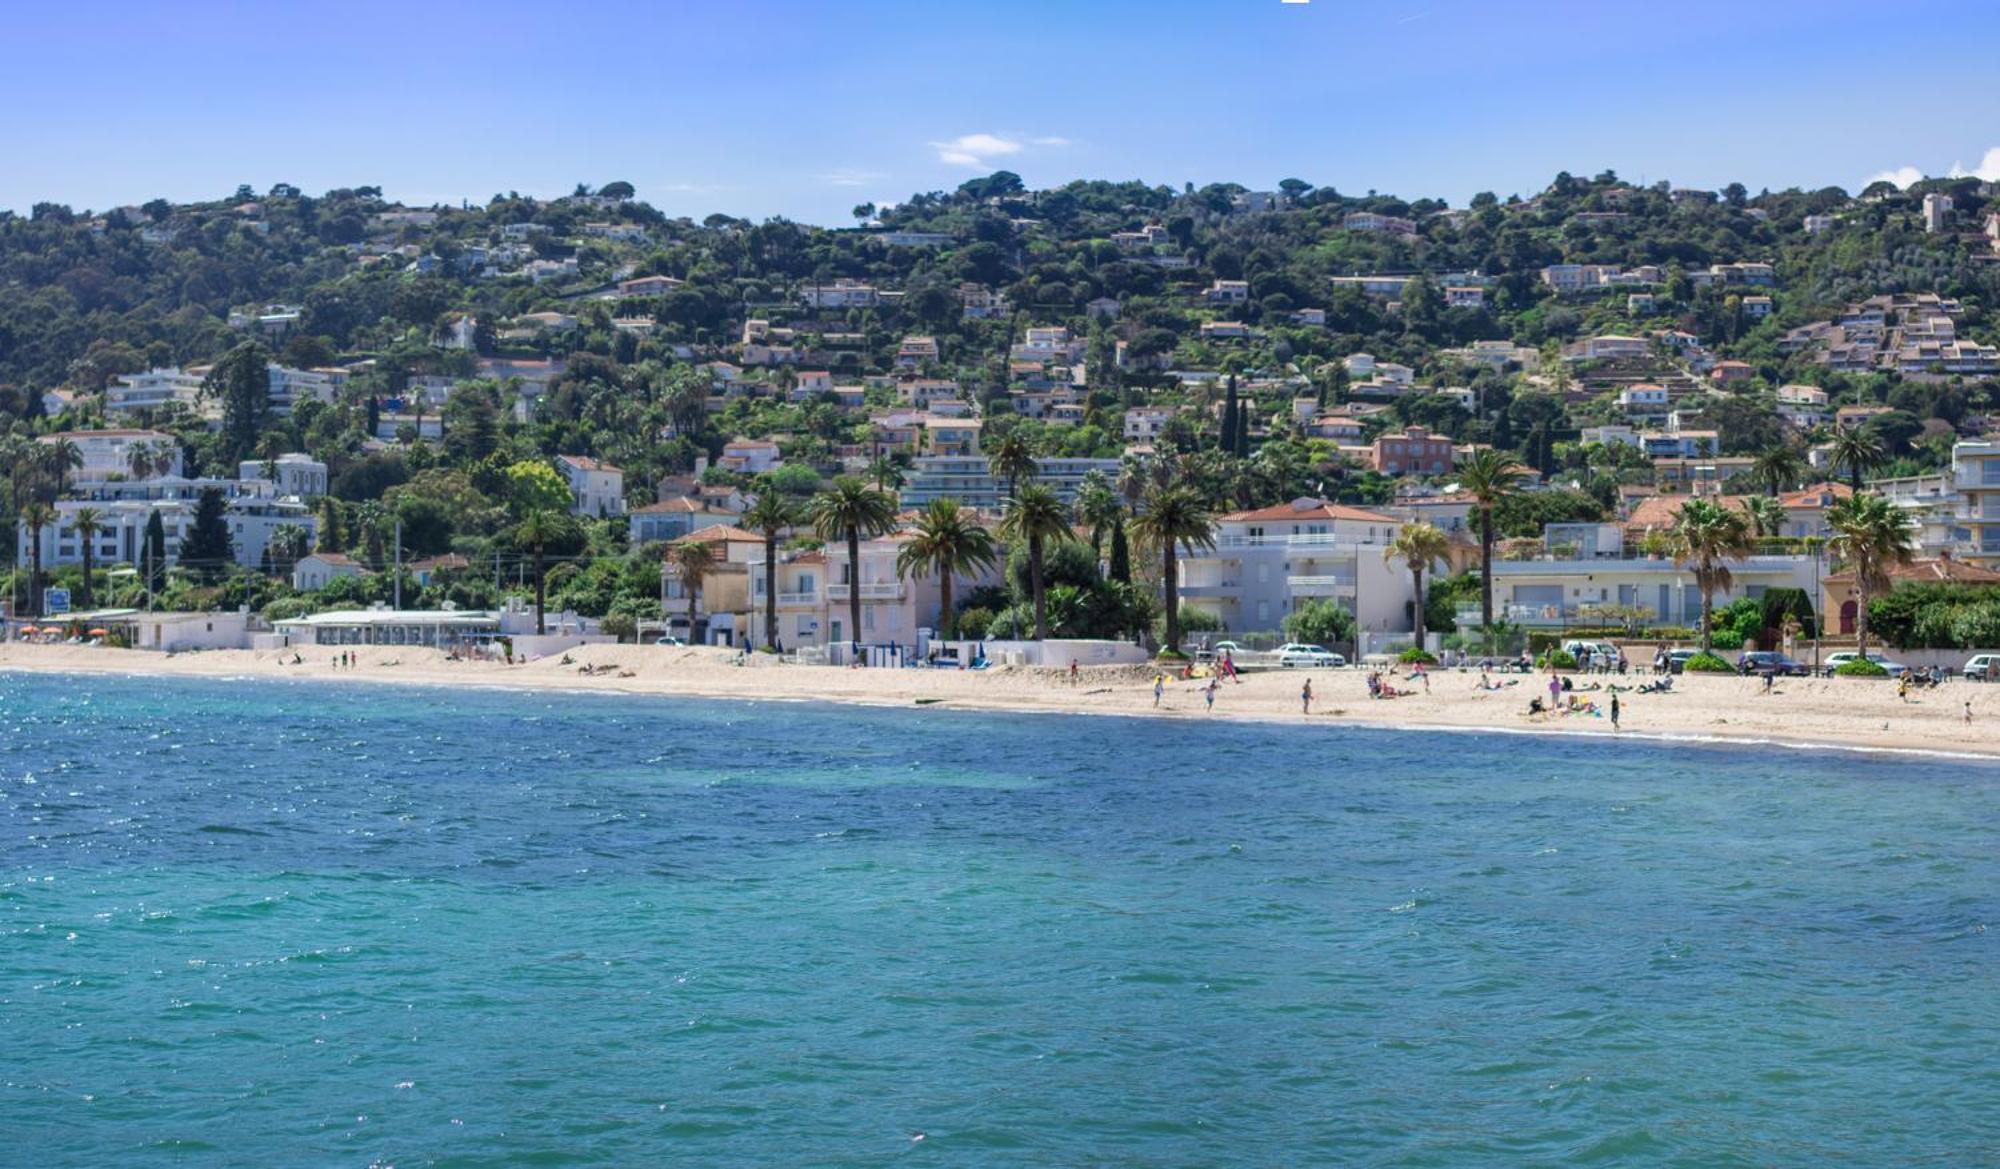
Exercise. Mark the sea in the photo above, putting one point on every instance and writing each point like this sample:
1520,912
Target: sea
292,923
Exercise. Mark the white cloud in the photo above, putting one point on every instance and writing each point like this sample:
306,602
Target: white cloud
850,177
1052,140
1988,169
1902,176
977,150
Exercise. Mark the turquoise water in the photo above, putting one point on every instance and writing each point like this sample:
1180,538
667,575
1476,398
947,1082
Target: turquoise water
294,924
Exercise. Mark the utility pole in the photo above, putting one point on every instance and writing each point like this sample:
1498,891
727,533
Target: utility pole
398,583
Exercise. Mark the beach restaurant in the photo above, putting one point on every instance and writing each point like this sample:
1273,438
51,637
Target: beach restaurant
443,628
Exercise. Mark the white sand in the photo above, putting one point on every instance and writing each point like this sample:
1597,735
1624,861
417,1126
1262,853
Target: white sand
1813,712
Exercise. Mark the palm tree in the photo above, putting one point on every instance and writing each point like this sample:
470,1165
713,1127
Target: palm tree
1858,452
1489,477
1419,546
1767,516
1013,459
693,560
1169,518
886,473
62,457
139,459
1871,535
537,530
1778,468
1706,535
88,521
37,515
289,545
851,510
1036,517
1098,509
950,541
769,516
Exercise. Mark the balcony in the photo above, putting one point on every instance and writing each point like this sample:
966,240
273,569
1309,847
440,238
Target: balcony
870,591
1319,586
808,598
1320,540
1211,588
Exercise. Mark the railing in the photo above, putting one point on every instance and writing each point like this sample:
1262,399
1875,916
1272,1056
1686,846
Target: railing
870,591
1325,540
1319,586
806,598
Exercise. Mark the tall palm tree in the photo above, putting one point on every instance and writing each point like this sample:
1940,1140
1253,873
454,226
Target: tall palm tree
1013,459
1170,518
769,516
37,515
693,560
1779,468
1871,535
537,530
1036,517
88,522
1098,509
1419,546
851,510
1706,536
1857,452
1489,477
289,545
1766,517
950,541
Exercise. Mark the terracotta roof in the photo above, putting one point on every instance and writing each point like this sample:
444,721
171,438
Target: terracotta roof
683,505
726,533
1313,509
814,556
338,560
1662,511
1817,495
586,463
434,563
1942,568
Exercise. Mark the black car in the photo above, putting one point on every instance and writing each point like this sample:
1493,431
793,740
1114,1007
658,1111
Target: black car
1760,661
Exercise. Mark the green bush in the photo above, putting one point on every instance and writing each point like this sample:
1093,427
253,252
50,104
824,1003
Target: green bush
1860,668
974,622
1707,663
1413,655
1320,623
1557,658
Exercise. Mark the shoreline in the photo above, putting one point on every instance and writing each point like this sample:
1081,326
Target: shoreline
1803,714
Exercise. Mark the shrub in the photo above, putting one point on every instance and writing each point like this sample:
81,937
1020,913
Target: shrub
1707,663
1413,655
1860,668
1320,623
974,622
1558,659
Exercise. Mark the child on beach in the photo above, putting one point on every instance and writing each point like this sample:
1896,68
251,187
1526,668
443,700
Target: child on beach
1208,691
1159,687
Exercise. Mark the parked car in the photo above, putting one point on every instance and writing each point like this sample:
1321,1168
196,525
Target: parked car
1678,658
1298,653
1214,652
1982,668
1835,661
1598,650
670,640
1758,661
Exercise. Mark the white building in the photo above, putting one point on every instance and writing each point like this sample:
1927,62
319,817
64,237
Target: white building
153,389
842,294
290,474
969,480
596,487
130,454
1269,562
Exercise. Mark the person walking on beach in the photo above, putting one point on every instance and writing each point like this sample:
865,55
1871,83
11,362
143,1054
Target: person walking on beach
1614,712
1072,671
1306,701
1968,712
1159,688
1208,692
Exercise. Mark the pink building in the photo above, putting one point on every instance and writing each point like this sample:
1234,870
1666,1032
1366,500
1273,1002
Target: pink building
1414,452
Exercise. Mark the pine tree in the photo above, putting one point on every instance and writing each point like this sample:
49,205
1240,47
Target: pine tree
1242,447
241,381
153,554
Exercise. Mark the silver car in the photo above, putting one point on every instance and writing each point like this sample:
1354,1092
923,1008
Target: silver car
1299,653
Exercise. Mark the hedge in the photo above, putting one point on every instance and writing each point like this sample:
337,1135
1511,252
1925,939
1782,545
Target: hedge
1413,655
1558,659
1860,668
1707,663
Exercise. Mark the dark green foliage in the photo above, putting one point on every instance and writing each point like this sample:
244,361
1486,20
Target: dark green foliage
206,550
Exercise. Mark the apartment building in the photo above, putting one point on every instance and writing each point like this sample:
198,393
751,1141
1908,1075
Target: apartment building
1270,561
134,454
1415,451
597,488
969,480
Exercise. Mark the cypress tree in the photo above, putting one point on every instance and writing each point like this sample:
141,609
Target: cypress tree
153,554
1121,555
1242,449
207,550
1229,422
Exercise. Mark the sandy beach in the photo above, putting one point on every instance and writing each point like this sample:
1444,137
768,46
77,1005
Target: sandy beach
1850,713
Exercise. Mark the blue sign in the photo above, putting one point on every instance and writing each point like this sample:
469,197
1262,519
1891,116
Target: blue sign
55,600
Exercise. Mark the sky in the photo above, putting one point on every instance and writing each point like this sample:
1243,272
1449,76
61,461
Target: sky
782,107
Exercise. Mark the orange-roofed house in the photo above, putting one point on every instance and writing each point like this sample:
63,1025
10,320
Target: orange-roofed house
1841,600
597,489
1271,561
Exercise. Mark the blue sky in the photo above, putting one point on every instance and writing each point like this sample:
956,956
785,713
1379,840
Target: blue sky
765,107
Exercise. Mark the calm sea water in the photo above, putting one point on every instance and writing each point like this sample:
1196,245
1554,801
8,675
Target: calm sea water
300,924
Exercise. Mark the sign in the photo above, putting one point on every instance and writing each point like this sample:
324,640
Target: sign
55,601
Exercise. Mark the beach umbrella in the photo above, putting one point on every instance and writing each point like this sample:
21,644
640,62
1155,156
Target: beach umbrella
30,629
100,632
